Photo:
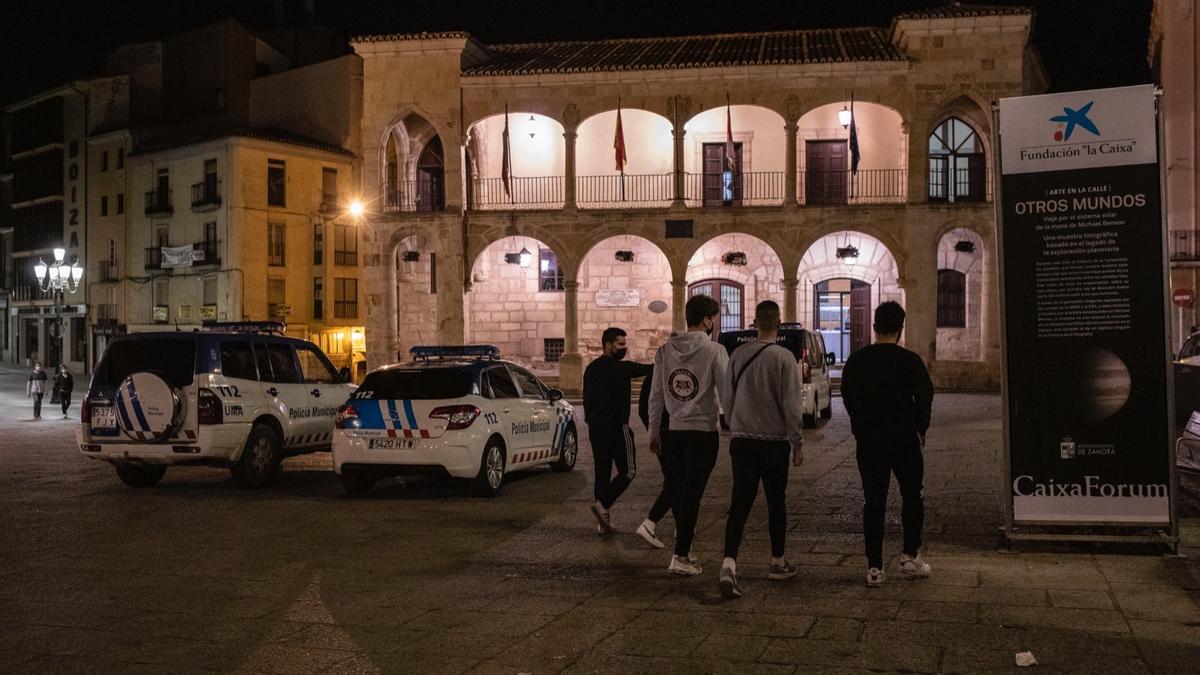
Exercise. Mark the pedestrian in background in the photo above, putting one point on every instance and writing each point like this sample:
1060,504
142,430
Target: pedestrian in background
666,496
888,394
766,419
690,371
606,407
64,384
36,387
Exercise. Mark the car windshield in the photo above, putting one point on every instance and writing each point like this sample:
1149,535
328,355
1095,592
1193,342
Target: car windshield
174,359
417,383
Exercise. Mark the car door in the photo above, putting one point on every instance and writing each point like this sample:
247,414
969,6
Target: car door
284,391
541,414
820,369
507,407
325,392
239,389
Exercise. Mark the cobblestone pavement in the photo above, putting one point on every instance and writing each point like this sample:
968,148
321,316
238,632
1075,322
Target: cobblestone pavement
198,575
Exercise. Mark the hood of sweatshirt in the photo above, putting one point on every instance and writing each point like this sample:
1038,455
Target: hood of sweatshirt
689,344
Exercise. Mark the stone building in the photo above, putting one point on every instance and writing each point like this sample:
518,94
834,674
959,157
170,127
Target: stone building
1173,53
540,257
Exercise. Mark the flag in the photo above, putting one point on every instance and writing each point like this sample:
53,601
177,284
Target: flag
619,143
730,164
506,162
854,154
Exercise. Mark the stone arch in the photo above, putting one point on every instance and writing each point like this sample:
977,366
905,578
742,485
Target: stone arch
761,277
647,273
884,143
545,158
507,304
650,156
878,232
589,240
683,260
760,130
400,144
965,342
479,242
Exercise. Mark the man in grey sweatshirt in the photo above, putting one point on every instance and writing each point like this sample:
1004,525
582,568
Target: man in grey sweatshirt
766,420
689,378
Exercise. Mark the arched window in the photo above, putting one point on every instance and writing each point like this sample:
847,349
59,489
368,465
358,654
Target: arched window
957,170
951,299
431,177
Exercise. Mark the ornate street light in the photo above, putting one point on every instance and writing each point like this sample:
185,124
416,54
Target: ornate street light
58,277
844,117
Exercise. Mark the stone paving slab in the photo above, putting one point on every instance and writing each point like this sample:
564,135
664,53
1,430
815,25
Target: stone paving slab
198,576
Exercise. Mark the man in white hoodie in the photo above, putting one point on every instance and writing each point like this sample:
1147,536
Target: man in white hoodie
690,377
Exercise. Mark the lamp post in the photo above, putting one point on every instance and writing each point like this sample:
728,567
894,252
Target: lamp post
58,278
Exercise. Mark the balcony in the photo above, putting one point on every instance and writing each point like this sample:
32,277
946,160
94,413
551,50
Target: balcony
206,252
415,196
539,192
761,188
625,192
1181,245
108,271
833,188
331,203
154,258
106,314
28,292
206,196
158,203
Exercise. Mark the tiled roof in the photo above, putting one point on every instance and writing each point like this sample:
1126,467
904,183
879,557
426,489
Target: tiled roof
959,10
393,37
700,51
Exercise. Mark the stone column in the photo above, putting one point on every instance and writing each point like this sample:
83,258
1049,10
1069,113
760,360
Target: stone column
789,177
789,299
680,178
678,300
570,364
451,294
381,328
569,164
920,299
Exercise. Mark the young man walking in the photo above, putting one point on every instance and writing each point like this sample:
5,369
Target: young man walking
606,406
766,419
689,376
888,394
666,496
36,388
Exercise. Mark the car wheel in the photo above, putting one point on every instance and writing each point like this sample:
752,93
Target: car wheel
261,459
569,453
140,475
810,419
491,470
827,411
356,483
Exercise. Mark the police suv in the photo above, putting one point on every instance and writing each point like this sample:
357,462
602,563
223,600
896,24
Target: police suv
812,359
237,395
459,411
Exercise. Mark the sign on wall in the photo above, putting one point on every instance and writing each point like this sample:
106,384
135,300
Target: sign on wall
1088,428
176,256
618,297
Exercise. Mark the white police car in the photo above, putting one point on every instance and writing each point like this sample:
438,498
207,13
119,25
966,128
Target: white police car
237,395
452,410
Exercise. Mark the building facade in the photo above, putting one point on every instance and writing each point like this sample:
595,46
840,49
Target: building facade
1173,53
498,212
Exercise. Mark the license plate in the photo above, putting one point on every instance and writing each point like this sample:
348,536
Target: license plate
104,418
391,443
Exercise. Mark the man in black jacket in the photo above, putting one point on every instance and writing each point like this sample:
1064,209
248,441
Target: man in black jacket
606,406
888,394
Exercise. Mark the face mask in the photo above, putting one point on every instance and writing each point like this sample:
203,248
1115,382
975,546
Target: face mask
619,354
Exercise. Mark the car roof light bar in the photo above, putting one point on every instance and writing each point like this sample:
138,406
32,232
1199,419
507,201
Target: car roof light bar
426,352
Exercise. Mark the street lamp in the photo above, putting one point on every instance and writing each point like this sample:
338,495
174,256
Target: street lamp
58,277
844,116
356,208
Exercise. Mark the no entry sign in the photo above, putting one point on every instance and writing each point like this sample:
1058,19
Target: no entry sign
1183,297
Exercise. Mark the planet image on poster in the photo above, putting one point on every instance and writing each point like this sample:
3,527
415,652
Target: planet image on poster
1102,385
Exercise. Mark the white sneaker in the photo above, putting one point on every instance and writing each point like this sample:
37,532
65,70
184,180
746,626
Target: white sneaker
683,567
914,567
603,518
727,580
647,533
875,577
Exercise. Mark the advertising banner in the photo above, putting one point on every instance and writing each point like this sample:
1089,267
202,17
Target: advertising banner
1084,309
176,256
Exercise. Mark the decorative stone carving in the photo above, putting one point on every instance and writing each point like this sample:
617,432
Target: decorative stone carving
791,106
570,115
680,108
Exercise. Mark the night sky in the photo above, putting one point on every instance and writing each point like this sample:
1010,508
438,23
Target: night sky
1084,43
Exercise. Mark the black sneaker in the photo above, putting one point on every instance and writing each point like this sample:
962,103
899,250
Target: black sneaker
729,584
779,572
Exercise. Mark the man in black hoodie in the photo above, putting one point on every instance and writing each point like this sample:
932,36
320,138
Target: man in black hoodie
606,407
888,394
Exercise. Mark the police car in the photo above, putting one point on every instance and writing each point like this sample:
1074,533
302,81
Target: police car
237,395
812,359
460,411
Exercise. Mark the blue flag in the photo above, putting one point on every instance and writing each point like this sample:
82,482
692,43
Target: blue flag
854,154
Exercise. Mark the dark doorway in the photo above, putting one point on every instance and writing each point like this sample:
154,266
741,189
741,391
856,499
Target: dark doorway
722,186
842,314
54,343
431,177
731,295
825,172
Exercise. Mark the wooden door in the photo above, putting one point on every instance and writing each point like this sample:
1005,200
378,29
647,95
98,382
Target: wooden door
860,315
722,187
825,172
731,296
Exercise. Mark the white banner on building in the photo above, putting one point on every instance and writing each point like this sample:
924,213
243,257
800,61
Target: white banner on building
618,297
176,256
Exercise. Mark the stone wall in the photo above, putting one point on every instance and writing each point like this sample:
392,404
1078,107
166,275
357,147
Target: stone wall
963,344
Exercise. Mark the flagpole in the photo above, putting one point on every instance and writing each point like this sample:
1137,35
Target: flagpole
623,157
854,132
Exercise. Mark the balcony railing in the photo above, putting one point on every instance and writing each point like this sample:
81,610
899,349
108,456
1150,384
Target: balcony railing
158,202
106,313
205,252
426,195
26,292
109,271
539,192
625,192
1181,245
154,257
867,186
206,195
331,202
759,188
970,185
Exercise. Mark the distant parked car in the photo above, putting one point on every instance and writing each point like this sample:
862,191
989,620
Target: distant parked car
812,359
1187,405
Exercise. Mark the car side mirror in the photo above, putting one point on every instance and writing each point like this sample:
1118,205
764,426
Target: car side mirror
830,358
344,375
556,395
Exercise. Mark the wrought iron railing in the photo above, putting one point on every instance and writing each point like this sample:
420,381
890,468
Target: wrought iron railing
206,193
538,192
757,188
414,195
331,202
625,192
109,270
158,202
27,292
867,186
154,257
208,250
969,185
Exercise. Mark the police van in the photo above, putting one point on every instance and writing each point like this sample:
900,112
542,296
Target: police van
238,394
812,359
460,411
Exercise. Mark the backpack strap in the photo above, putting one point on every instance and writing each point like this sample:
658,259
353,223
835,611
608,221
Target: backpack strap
738,377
